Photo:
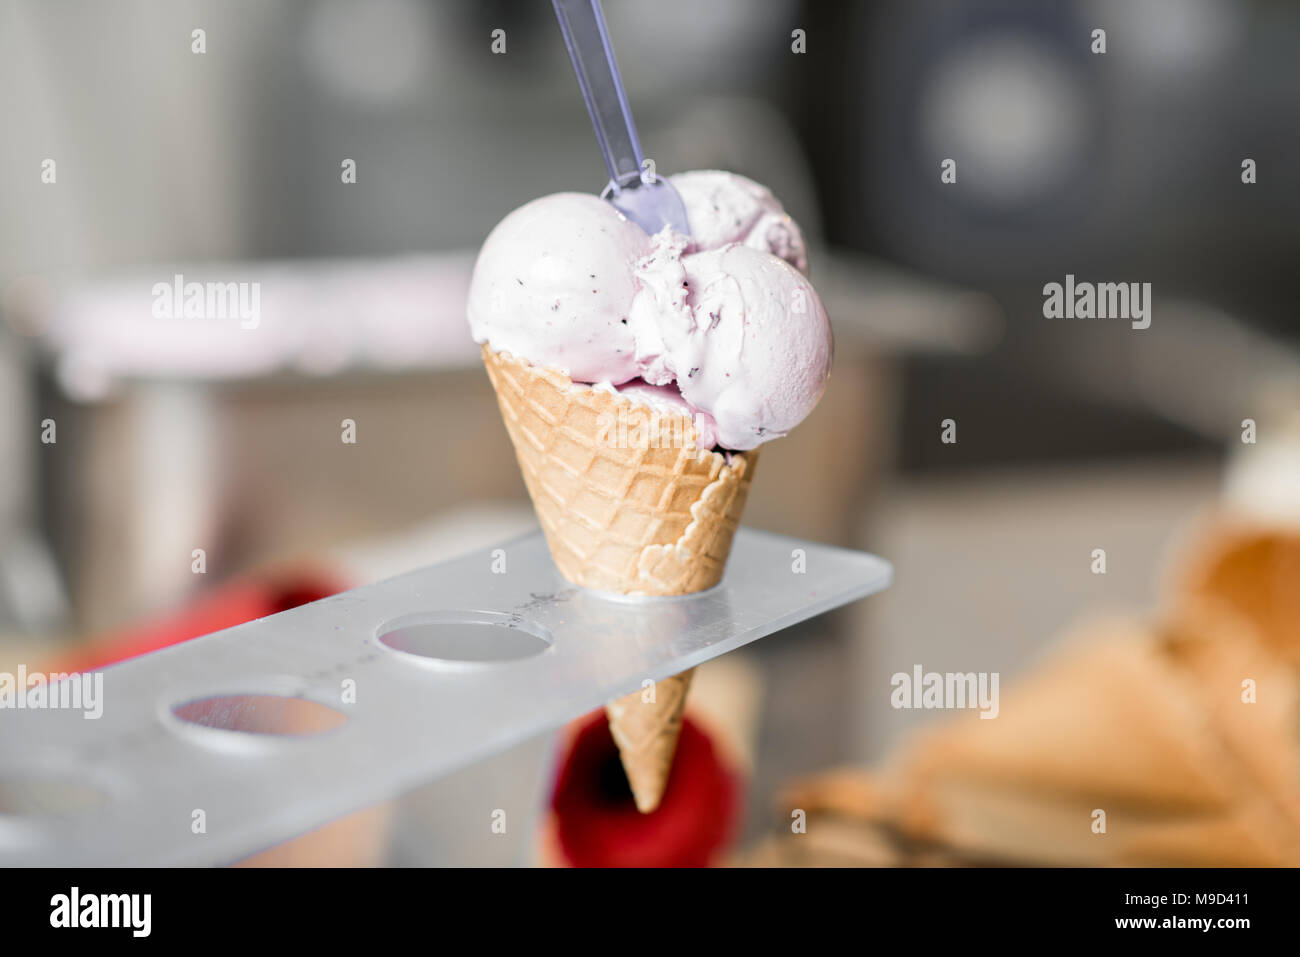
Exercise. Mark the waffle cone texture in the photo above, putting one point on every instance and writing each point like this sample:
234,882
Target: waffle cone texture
626,500
628,504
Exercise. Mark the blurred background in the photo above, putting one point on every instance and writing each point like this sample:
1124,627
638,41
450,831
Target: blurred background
224,165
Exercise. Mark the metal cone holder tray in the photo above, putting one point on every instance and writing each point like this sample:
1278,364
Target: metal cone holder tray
369,694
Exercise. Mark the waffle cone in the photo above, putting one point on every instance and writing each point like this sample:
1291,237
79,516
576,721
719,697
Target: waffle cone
628,504
1106,718
1255,571
1242,838
646,734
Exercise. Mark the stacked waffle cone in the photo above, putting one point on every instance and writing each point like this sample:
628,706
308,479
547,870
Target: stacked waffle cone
629,504
1174,741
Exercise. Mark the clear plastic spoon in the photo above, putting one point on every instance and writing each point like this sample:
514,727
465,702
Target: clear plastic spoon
634,188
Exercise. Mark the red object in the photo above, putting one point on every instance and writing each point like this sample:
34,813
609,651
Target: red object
224,607
598,825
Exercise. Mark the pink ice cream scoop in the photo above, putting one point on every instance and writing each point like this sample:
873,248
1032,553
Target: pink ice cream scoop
723,322
726,208
553,284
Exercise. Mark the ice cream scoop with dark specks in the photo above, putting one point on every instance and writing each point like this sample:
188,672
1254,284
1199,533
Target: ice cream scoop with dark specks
724,325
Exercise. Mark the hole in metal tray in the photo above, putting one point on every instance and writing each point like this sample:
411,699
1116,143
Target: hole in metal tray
465,636
31,795
260,714
39,797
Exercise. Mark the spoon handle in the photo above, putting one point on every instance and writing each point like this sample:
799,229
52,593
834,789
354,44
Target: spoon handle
583,26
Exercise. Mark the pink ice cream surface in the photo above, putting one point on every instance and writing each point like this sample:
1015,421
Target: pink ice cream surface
723,325
668,400
726,208
553,285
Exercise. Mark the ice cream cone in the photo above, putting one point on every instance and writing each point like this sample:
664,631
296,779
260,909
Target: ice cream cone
628,504
1106,720
1253,698
1255,570
1242,838
646,734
